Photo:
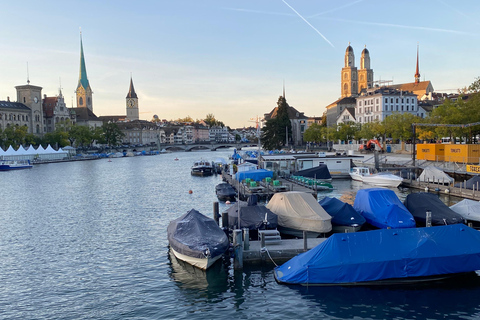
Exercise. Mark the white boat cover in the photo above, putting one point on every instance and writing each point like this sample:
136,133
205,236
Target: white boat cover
300,211
468,209
433,174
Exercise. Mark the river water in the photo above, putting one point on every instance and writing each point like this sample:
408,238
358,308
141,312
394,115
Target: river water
88,240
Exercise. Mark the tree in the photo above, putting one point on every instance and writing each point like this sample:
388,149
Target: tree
112,135
274,133
346,131
314,133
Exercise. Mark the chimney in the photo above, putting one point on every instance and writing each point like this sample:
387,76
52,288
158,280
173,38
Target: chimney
8,99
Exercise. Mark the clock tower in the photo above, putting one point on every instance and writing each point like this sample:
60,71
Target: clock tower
83,92
132,103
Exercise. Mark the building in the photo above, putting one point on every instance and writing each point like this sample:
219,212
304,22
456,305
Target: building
336,108
378,103
353,80
84,91
55,111
132,103
141,133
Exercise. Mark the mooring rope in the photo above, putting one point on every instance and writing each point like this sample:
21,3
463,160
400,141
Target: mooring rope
265,249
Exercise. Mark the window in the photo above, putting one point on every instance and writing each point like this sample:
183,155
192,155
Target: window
396,100
397,108
407,100
402,107
391,100
386,100
80,101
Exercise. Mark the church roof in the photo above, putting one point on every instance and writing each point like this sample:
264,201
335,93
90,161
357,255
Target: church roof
131,91
85,114
420,87
82,79
292,114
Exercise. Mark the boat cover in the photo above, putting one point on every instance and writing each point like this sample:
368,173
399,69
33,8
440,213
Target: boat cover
418,204
385,254
468,209
252,216
300,211
321,172
343,214
194,235
256,175
470,183
382,208
433,174
225,190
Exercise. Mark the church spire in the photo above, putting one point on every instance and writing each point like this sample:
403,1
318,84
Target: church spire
417,72
82,79
131,91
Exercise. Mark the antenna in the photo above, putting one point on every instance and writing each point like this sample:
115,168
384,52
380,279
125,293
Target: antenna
28,75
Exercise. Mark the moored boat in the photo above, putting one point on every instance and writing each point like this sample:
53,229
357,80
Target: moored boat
386,256
468,209
421,202
225,192
197,239
344,217
298,212
382,209
6,165
202,168
381,179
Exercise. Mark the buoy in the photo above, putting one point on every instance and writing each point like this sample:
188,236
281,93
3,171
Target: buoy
227,202
426,189
447,190
190,191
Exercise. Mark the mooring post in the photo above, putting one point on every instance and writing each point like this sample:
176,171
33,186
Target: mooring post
428,218
237,249
246,239
216,214
305,245
225,219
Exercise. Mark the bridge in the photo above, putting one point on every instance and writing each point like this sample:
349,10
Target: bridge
205,146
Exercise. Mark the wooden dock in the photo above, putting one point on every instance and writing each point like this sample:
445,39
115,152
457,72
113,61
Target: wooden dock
443,188
265,191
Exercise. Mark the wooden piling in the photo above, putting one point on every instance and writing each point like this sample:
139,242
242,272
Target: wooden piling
216,214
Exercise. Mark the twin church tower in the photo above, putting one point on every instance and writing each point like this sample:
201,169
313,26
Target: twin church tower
353,79
84,91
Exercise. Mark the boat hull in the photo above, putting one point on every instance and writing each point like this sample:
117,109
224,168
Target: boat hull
202,172
201,263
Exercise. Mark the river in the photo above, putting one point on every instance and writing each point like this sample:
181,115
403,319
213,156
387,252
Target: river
88,240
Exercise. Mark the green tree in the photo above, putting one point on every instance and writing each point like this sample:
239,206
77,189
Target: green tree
112,135
314,133
80,136
346,131
274,133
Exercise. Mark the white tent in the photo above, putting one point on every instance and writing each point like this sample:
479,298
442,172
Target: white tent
435,175
468,209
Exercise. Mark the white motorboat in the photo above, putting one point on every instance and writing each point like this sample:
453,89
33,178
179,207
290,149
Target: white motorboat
382,179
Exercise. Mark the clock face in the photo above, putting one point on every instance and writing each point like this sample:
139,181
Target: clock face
131,103
35,100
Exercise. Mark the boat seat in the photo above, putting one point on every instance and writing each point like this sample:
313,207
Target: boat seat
270,236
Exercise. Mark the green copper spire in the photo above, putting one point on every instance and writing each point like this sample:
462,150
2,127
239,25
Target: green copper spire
82,80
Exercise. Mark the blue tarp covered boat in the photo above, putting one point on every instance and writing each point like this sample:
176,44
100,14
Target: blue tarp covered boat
382,209
386,255
344,216
256,175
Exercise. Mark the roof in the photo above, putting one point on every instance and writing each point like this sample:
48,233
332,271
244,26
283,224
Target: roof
131,91
82,79
421,86
345,100
85,114
13,105
292,114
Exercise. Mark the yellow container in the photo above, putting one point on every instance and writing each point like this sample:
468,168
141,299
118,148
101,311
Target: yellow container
463,153
431,151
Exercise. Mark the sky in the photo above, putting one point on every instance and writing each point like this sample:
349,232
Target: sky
231,58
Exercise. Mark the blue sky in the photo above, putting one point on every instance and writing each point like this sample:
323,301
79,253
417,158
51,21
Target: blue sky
231,58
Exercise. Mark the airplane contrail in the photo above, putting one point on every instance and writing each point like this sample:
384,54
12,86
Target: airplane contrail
336,9
298,14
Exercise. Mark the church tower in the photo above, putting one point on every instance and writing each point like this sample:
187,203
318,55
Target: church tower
365,74
132,103
349,74
83,92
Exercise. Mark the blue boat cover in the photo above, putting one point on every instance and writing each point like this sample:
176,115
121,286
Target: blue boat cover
256,175
382,208
418,204
347,258
196,235
319,172
343,214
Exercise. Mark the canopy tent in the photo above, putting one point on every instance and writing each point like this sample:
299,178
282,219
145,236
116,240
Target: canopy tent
435,175
468,209
320,173
256,175
471,183
31,153
350,258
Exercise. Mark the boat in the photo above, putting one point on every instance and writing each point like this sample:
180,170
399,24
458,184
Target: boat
197,239
225,192
386,256
344,217
298,212
251,215
202,168
421,202
382,209
432,174
381,179
7,165
319,172
468,209
473,183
